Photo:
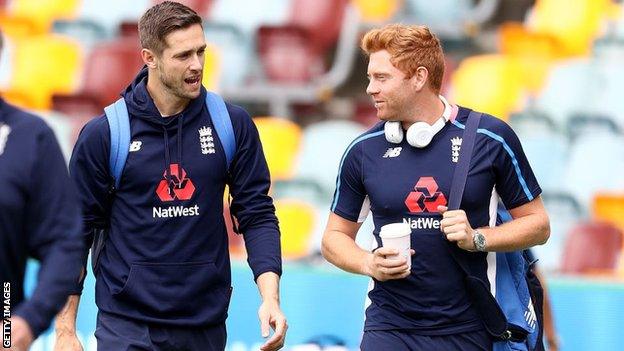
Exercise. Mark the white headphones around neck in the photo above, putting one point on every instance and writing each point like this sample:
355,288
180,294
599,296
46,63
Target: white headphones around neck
419,134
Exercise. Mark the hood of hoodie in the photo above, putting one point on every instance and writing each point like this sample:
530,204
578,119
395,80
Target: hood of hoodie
141,105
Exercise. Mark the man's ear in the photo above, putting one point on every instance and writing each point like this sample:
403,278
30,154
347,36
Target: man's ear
420,78
149,58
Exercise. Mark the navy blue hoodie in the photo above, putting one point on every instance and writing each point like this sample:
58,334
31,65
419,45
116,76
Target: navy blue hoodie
39,217
166,258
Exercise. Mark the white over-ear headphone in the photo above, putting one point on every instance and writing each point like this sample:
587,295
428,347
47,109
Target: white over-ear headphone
419,134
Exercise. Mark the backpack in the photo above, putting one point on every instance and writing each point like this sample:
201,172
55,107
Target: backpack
535,289
119,128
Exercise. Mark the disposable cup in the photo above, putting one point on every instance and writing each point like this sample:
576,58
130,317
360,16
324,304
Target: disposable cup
397,236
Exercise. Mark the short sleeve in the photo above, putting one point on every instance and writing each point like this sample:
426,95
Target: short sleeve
515,181
350,194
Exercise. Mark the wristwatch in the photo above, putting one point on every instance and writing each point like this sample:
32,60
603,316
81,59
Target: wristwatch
479,240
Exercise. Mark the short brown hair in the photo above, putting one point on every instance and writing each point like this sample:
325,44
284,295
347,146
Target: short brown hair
162,19
410,46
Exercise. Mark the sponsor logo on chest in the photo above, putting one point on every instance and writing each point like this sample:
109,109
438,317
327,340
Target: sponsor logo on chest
175,185
425,197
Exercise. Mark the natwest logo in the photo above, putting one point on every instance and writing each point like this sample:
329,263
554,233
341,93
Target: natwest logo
179,189
425,197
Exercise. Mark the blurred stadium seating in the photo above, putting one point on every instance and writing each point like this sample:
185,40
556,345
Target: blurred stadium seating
592,247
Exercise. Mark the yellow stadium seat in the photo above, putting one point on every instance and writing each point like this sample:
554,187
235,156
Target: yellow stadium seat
281,140
296,221
212,71
43,65
377,10
575,24
535,53
42,13
489,83
609,207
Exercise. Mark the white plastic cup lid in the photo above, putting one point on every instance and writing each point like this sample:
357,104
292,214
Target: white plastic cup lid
395,230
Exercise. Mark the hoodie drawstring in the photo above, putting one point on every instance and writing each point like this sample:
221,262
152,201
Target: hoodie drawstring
167,161
168,156
180,167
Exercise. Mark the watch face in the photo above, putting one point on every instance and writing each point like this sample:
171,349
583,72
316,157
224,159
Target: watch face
479,241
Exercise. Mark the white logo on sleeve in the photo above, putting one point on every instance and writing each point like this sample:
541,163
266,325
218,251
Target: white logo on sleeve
393,152
206,140
455,147
5,130
135,146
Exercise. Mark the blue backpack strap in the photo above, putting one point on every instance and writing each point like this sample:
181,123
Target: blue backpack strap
119,126
223,125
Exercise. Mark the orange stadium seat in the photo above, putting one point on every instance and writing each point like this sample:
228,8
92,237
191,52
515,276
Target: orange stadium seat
297,221
609,207
281,141
592,248
17,26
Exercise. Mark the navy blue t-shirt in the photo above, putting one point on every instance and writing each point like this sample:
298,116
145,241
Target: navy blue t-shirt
406,184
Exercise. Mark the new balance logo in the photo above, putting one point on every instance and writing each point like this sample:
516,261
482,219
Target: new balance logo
135,146
393,152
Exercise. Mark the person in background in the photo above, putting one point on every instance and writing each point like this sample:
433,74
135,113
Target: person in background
40,219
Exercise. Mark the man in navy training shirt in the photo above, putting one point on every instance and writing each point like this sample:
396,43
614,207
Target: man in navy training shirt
163,277
39,218
402,169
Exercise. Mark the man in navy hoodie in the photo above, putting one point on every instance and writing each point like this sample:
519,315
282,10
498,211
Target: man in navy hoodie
163,277
39,218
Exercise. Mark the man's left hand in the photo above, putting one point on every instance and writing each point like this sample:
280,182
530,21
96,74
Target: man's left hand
271,316
21,335
456,227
